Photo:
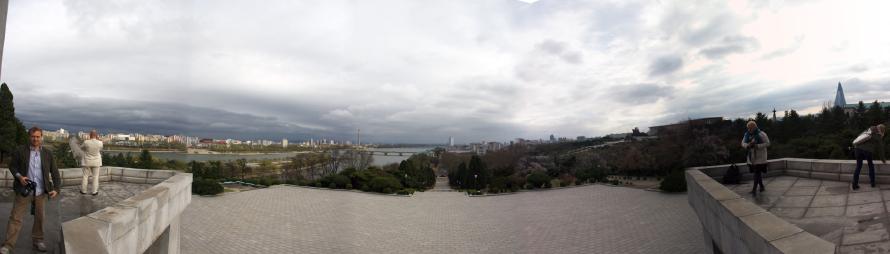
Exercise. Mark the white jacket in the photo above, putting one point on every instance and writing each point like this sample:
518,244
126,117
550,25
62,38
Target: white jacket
92,156
759,151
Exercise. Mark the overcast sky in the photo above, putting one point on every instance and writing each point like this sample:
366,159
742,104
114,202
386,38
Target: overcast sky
421,71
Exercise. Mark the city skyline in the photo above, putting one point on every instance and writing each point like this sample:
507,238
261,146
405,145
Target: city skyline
405,72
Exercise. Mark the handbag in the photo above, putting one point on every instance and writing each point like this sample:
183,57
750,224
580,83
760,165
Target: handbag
865,136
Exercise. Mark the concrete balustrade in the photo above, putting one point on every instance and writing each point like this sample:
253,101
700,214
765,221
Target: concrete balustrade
145,223
732,224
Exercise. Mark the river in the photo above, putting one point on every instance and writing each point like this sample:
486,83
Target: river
379,160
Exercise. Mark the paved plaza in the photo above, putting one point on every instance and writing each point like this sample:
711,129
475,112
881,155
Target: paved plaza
855,221
68,206
589,219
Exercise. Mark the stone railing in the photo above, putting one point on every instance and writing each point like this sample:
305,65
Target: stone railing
145,223
732,224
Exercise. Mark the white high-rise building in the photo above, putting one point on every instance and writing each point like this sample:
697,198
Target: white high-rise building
451,141
284,143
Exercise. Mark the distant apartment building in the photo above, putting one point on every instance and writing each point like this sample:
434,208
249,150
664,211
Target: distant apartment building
284,143
118,137
485,147
60,135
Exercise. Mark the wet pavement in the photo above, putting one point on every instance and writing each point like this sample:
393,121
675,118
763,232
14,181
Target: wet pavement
855,221
69,205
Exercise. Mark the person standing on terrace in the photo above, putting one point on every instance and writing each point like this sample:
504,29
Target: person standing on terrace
92,161
756,142
865,147
37,178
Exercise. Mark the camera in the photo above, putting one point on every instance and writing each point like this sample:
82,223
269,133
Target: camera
29,188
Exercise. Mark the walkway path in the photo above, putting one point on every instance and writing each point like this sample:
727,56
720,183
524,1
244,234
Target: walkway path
591,219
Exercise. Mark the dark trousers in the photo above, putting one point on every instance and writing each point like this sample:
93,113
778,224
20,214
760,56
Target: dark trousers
864,155
759,170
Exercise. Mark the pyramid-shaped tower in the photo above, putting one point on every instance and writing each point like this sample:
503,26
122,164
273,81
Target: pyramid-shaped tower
839,100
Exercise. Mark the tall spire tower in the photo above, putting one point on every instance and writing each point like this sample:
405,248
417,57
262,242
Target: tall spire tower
839,100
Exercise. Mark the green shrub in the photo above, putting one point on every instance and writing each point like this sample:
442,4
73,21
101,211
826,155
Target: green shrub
203,186
406,191
537,180
348,186
498,184
566,180
474,192
674,182
340,181
385,184
332,186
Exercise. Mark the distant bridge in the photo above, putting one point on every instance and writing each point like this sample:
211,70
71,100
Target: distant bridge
389,153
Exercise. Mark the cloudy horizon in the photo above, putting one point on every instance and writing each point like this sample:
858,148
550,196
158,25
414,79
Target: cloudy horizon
410,72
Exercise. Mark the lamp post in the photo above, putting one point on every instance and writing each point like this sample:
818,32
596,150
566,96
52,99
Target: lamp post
406,180
476,181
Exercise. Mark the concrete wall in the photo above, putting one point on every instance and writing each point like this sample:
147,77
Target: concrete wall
836,170
145,223
73,176
734,225
775,168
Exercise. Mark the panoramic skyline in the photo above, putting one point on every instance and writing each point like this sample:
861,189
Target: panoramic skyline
411,72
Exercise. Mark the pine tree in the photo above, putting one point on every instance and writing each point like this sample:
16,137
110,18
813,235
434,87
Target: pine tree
479,172
8,128
464,176
145,160
874,115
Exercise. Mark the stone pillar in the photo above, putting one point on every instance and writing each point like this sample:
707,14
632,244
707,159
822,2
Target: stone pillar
168,242
4,8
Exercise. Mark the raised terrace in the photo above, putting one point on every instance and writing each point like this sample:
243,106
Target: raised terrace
808,207
137,211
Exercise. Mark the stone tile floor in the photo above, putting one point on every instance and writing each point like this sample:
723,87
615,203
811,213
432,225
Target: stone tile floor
68,206
855,221
590,219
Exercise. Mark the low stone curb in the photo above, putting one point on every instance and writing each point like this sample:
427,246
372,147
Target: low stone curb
353,190
245,184
534,190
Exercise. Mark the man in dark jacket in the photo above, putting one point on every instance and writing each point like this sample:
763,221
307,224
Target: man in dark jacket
36,164
869,144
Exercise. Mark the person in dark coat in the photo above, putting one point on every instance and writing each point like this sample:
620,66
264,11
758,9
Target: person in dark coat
32,165
866,146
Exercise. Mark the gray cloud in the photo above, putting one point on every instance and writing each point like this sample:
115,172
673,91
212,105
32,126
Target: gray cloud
404,71
561,50
637,94
798,42
665,65
59,110
698,24
730,45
